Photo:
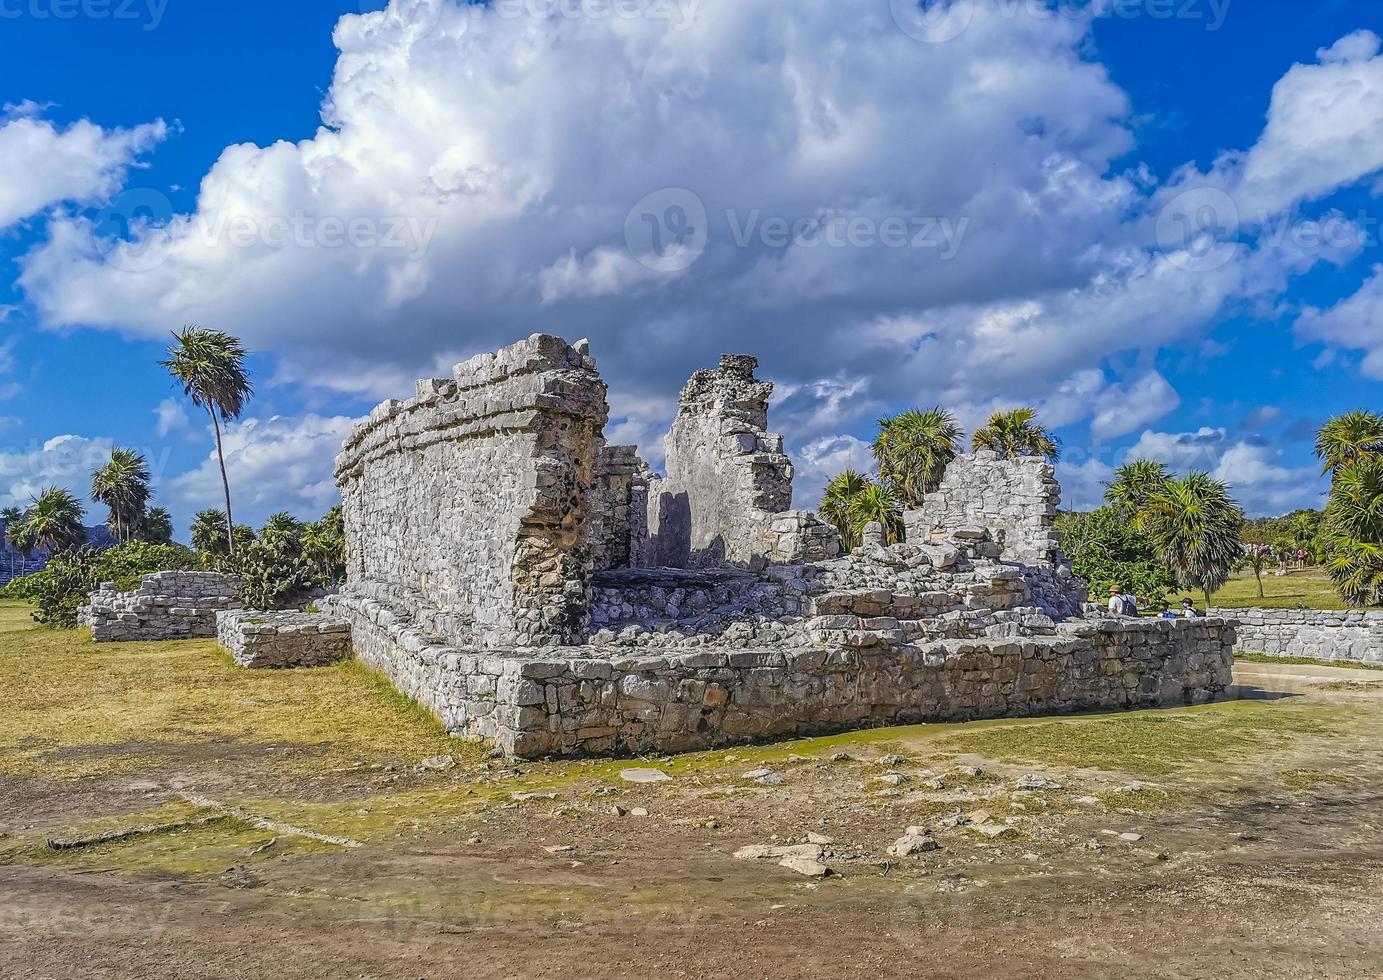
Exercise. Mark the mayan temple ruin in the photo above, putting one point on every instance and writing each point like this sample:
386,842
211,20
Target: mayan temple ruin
533,586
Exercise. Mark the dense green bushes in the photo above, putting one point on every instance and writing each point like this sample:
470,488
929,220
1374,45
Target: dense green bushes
70,577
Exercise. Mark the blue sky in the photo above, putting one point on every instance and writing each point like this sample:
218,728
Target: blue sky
492,162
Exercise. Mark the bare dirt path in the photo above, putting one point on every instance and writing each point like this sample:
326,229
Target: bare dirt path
1235,840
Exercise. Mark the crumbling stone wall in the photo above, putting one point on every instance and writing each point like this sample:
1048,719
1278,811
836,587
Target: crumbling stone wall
283,639
469,504
582,700
726,474
166,606
619,507
1015,499
1320,634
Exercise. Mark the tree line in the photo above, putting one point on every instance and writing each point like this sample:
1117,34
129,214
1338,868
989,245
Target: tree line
283,564
1156,531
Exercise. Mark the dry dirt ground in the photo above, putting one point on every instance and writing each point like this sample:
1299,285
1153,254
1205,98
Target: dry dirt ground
1250,837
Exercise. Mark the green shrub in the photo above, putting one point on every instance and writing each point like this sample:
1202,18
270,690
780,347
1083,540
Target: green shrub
126,564
1107,549
63,586
67,582
277,571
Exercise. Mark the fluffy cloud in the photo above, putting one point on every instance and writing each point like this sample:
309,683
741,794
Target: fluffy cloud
482,174
64,461
823,458
171,416
1252,468
1356,322
1324,131
459,141
274,464
42,164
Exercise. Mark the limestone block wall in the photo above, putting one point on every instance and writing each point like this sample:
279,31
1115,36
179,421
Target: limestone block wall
166,606
1014,498
619,507
283,639
726,474
470,502
574,700
1320,634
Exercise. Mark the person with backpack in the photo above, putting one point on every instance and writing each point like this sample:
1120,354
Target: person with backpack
1121,604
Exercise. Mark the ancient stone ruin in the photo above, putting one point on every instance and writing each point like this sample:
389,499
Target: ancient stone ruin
534,586
166,606
283,639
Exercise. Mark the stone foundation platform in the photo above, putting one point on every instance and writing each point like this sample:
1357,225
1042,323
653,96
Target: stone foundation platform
603,700
283,639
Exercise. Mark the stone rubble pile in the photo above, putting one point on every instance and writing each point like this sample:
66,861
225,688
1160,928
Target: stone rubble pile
166,606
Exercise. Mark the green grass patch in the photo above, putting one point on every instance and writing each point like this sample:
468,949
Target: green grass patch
1308,588
1147,743
1302,779
75,708
1263,658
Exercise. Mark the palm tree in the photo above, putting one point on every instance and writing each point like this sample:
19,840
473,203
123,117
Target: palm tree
54,521
1197,530
123,486
913,450
1013,434
158,526
210,365
1256,559
838,505
1133,485
878,503
1346,439
11,518
1353,532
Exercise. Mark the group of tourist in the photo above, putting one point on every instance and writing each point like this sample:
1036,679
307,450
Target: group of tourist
1122,603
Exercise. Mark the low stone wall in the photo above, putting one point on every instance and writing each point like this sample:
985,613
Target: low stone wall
166,606
283,639
590,700
1320,634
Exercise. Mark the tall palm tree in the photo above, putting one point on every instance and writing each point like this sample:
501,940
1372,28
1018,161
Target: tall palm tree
913,450
54,521
1133,486
838,505
1346,439
1014,433
122,485
1353,532
210,366
1197,530
158,526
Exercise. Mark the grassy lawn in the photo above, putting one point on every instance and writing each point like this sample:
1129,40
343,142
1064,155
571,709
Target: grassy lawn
74,707
1309,587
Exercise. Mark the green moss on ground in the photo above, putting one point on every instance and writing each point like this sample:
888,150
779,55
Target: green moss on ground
1148,743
